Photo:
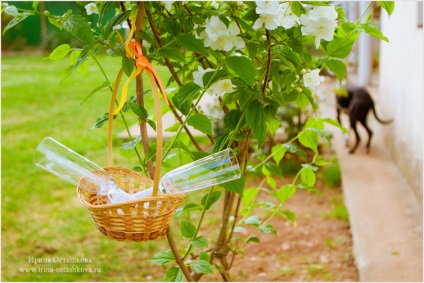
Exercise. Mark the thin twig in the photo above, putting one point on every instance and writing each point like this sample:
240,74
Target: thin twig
156,34
268,67
174,75
177,256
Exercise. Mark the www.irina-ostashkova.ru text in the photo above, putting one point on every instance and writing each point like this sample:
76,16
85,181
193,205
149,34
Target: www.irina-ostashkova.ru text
71,269
67,265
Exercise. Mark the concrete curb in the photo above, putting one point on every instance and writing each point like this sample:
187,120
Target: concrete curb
385,216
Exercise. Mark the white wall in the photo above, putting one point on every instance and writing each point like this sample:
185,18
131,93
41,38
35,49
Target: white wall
402,91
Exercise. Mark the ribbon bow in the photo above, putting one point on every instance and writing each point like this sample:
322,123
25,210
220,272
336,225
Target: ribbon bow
133,50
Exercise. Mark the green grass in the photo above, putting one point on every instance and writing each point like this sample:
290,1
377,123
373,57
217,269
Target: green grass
41,214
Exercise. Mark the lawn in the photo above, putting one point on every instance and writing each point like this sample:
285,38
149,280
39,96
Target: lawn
42,219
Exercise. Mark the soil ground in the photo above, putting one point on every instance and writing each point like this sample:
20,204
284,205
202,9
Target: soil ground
317,248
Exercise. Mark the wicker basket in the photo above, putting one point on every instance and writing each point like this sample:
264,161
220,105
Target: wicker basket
138,220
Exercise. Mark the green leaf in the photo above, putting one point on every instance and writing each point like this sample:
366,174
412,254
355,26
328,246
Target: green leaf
243,67
171,53
292,148
188,207
189,42
214,197
187,229
268,228
74,60
213,76
100,121
16,20
310,166
307,176
151,153
172,26
341,47
249,196
389,6
187,92
203,266
67,73
138,110
253,240
103,85
335,123
297,8
204,256
183,107
309,139
253,220
201,122
373,31
56,22
131,144
163,258
285,192
232,118
200,242
220,144
79,27
116,20
127,65
59,52
255,118
278,152
82,58
174,274
235,186
271,182
290,215
338,67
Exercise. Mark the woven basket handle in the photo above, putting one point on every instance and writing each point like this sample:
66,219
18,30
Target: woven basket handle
110,120
159,138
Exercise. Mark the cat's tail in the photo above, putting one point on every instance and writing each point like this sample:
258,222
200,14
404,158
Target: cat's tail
378,119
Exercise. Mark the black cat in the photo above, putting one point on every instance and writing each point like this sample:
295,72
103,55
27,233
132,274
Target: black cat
357,102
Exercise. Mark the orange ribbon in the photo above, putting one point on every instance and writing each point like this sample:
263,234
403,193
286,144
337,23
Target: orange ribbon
141,63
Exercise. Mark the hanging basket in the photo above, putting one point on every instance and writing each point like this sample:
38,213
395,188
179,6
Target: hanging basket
137,220
140,220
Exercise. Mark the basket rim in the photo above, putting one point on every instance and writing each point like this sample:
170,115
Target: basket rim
159,197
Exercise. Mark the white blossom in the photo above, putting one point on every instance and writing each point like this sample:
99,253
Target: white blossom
198,76
91,8
215,28
312,79
273,14
267,7
286,18
168,4
319,22
218,37
124,25
328,12
221,87
270,21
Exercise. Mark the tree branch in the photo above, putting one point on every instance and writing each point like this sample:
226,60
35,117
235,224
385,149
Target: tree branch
139,89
